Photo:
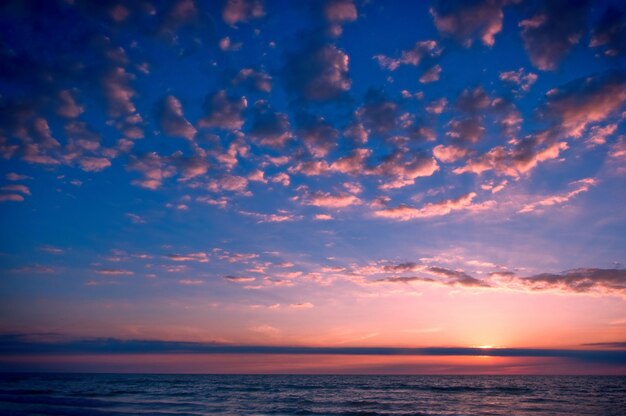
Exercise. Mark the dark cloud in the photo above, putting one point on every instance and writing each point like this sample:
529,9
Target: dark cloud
15,344
318,136
269,128
223,111
378,114
467,20
318,72
253,80
172,119
467,130
609,33
553,30
579,281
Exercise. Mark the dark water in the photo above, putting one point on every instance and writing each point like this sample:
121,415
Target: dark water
88,394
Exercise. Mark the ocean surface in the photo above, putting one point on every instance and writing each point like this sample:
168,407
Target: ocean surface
118,394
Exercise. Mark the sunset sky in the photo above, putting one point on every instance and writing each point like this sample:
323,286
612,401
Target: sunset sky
313,186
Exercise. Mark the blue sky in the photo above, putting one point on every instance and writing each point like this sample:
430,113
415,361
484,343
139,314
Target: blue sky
320,173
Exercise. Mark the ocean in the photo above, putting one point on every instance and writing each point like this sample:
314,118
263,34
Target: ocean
127,394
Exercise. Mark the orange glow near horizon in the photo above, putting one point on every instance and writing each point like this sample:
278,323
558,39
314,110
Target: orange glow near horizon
306,364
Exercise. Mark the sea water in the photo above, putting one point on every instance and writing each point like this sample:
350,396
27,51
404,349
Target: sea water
127,394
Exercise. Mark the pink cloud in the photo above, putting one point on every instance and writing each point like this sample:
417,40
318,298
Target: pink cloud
11,198
280,216
199,257
420,51
522,79
431,75
191,282
433,209
16,188
260,81
327,200
114,272
68,107
585,101
173,121
94,164
224,112
466,20
449,154
242,11
580,186
154,169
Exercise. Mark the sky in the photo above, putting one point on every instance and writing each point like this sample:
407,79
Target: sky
333,186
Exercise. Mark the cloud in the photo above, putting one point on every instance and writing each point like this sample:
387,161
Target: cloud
253,80
318,135
269,128
457,277
231,183
378,114
12,176
422,50
318,72
23,344
16,188
431,75
572,107
467,130
328,200
200,257
224,111
52,250
239,279
403,170
242,11
11,198
35,268
305,305
281,178
522,79
449,154
119,92
225,44
172,119
437,106
584,280
467,20
338,12
580,186
433,209
522,158
322,217
154,169
94,164
135,219
280,216
190,167
235,257
353,164
191,282
114,272
68,107
553,31
609,33
178,14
